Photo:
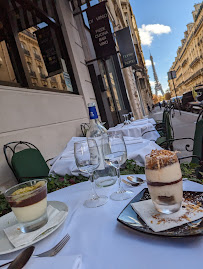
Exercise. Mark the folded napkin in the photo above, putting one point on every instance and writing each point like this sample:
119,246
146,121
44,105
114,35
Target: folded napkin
161,222
17,238
68,262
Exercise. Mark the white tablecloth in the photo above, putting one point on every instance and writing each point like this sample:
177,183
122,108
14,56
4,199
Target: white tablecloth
105,243
136,130
137,149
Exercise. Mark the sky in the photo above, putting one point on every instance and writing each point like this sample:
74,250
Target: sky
162,24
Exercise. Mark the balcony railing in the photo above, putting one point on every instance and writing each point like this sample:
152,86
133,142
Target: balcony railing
42,76
37,57
53,79
32,74
195,61
26,52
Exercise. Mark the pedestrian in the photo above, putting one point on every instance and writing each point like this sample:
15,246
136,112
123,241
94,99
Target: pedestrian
160,105
148,107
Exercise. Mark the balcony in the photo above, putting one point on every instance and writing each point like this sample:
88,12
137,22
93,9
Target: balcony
53,79
43,76
26,52
194,62
37,57
32,74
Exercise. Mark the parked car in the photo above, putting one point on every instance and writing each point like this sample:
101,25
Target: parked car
199,91
187,98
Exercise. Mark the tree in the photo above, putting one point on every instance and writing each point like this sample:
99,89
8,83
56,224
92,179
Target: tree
167,96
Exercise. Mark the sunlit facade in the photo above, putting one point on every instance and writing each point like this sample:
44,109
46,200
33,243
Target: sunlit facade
188,63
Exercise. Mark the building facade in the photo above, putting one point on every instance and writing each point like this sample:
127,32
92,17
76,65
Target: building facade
188,63
47,108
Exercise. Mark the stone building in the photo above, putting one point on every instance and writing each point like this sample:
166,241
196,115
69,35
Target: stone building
188,63
47,108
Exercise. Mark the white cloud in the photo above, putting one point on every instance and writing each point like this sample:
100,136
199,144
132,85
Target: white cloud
152,83
148,63
147,32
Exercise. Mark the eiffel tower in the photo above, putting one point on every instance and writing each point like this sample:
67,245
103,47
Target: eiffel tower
158,86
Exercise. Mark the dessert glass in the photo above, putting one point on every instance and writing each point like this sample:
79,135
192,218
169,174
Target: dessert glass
164,180
28,202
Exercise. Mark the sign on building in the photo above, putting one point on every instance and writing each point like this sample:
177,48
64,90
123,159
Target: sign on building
48,50
100,30
126,47
171,75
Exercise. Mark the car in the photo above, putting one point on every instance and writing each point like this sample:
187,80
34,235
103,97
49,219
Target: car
187,98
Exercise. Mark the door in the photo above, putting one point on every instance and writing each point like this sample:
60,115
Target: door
114,89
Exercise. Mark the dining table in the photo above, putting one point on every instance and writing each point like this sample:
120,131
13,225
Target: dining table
140,128
103,242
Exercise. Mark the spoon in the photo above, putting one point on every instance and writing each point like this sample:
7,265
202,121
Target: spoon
137,180
20,261
132,184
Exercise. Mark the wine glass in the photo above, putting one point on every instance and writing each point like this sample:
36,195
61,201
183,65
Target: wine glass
131,116
115,154
87,159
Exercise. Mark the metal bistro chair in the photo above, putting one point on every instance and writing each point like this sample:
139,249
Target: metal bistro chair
84,128
166,132
25,161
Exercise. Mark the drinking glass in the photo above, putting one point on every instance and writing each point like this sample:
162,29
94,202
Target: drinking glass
131,116
164,180
115,154
87,160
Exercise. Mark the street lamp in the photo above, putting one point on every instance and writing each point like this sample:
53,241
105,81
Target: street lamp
172,75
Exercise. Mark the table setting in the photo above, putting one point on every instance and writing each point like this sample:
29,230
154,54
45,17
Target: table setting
157,215
137,129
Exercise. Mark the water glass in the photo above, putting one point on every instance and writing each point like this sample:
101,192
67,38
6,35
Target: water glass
87,159
115,154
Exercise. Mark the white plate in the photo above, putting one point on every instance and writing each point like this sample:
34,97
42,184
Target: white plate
9,220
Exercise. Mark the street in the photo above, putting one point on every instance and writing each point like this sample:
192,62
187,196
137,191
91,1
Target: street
183,125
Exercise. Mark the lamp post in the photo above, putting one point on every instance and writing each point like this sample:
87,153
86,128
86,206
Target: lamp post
172,75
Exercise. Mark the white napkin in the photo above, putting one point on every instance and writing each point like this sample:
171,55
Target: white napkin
161,222
68,262
17,238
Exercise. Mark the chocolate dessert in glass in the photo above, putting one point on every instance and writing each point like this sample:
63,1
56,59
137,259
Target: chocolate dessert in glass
28,202
164,180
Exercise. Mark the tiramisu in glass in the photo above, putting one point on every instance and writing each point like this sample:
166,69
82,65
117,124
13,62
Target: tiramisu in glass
28,202
164,180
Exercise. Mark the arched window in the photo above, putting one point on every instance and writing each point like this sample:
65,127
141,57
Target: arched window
23,45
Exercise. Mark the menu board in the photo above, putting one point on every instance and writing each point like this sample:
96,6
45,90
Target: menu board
48,50
100,31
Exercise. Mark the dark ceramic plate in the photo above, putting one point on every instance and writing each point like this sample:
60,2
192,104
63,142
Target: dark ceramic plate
131,219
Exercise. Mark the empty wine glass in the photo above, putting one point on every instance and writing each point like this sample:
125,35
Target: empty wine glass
131,116
87,160
115,154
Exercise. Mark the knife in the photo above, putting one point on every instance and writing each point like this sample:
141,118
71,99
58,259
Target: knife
20,261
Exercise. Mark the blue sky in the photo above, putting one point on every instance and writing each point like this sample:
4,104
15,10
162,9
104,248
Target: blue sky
172,15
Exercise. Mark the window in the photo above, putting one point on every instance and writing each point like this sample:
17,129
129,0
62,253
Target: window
31,52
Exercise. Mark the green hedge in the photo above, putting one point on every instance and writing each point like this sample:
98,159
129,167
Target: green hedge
58,182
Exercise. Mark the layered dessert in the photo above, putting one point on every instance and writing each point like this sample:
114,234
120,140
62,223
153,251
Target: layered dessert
29,202
164,180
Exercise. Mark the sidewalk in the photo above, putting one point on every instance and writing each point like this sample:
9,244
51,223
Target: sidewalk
183,125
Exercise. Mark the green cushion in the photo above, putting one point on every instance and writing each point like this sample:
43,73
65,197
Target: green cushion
198,140
29,163
161,140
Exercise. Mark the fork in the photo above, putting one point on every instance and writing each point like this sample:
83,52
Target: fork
51,252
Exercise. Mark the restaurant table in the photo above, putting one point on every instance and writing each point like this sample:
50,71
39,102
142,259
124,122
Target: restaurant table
104,243
136,130
137,149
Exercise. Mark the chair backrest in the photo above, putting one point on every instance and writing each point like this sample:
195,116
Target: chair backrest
198,142
26,163
84,128
169,128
